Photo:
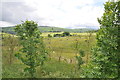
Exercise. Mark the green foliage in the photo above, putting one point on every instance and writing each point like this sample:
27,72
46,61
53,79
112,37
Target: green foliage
81,52
66,33
79,58
33,51
105,58
57,35
9,30
90,70
62,35
49,35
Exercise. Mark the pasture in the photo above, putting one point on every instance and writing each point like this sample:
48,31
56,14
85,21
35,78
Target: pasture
61,61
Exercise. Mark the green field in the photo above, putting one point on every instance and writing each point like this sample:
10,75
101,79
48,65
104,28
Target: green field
61,61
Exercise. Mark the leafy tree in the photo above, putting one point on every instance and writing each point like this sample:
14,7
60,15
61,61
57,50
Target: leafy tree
33,51
57,35
105,58
66,34
49,35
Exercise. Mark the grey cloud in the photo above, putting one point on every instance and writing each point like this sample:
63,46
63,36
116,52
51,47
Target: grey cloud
14,12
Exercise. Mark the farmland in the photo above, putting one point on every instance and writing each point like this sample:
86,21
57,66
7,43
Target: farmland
61,61
42,49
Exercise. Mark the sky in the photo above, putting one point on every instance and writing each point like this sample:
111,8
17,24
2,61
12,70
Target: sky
58,13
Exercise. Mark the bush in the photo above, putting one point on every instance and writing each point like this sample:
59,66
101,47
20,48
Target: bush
57,35
66,34
49,35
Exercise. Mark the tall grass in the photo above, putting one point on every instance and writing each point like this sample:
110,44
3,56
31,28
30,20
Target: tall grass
61,58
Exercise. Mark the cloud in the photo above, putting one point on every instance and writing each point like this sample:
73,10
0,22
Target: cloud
59,13
15,12
6,24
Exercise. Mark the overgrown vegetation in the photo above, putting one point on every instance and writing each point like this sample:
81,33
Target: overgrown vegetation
105,60
63,34
82,55
33,51
61,60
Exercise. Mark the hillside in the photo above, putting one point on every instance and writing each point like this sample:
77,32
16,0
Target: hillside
48,29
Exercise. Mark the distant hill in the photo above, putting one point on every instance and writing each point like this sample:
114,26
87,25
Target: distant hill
48,29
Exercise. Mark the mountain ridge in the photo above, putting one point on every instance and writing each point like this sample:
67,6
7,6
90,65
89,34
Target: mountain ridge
49,29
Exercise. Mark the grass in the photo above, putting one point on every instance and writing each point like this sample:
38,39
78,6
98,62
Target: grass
63,47
57,67
47,70
45,34
13,71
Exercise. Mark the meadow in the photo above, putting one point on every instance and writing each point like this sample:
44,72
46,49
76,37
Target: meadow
61,61
93,55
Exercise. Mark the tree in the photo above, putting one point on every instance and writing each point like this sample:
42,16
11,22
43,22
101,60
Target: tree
49,35
33,51
66,34
57,35
105,58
